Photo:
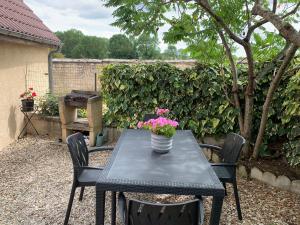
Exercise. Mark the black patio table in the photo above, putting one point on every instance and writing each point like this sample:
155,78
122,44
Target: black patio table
134,167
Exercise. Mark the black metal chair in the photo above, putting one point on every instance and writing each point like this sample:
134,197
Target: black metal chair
84,175
226,170
135,212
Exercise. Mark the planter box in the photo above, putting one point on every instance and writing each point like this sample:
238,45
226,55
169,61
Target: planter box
45,125
51,125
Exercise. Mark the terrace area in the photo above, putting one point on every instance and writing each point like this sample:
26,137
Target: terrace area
36,177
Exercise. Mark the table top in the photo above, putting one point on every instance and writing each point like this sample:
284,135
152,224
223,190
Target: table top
134,167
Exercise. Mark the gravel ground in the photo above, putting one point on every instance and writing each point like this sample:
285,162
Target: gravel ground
36,177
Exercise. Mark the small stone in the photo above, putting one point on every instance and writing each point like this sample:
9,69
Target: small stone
256,174
269,178
283,182
295,186
242,172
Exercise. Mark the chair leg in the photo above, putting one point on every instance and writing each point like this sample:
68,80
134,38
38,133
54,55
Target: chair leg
70,204
81,193
237,200
113,207
224,185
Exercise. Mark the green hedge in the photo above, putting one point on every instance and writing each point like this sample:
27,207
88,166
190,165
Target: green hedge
197,98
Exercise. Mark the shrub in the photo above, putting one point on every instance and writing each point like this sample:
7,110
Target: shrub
198,99
195,96
48,105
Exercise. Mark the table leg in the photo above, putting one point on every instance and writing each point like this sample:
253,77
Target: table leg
216,210
113,208
100,206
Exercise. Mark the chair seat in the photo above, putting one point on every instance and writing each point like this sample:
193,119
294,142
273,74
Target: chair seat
88,177
224,173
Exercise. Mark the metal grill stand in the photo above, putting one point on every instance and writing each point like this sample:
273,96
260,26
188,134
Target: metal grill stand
68,114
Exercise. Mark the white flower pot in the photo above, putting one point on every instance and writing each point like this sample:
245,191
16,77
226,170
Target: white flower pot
161,144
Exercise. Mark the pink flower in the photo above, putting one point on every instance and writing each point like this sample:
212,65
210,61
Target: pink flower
140,124
162,111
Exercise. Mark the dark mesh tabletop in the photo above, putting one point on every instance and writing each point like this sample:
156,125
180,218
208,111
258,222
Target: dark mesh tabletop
134,163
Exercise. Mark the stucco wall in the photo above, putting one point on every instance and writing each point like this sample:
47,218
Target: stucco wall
17,61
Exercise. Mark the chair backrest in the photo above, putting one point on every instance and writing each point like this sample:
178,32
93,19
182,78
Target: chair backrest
149,117
78,151
232,147
144,213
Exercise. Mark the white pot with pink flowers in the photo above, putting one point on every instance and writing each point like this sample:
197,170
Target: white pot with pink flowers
162,131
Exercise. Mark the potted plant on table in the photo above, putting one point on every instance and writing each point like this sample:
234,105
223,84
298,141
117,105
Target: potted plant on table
162,131
27,99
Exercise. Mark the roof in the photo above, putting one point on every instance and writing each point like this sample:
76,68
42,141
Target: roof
18,20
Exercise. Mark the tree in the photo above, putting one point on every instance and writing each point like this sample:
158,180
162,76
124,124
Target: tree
91,47
146,47
78,45
212,24
170,53
70,40
120,47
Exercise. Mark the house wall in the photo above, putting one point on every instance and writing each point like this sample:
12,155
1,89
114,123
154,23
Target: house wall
19,62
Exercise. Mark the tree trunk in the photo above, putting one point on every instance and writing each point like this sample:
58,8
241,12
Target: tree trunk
235,87
249,92
273,86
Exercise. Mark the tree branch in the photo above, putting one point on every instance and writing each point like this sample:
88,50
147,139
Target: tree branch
284,28
293,11
205,5
273,86
235,87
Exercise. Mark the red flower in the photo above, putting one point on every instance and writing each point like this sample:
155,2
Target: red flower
31,89
33,94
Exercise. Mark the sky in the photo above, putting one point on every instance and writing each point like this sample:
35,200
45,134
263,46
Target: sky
89,16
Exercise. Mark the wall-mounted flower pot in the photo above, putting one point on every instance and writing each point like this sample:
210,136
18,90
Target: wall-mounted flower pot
27,105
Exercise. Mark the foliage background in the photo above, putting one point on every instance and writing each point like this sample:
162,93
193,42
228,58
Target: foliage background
199,99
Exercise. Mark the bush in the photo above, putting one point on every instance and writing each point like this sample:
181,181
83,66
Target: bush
195,96
48,105
198,99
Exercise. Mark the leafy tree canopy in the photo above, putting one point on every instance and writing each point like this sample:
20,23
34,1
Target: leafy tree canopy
190,23
120,47
78,45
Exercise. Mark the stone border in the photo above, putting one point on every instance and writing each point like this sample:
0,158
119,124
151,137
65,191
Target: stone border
282,182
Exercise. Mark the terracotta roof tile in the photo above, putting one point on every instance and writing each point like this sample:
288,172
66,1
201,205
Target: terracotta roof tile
17,19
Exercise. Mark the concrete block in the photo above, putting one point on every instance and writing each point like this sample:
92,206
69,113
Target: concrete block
213,140
207,153
256,174
283,182
295,186
67,114
269,178
242,172
215,158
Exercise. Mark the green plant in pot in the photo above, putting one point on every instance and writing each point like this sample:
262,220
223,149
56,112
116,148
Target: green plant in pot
162,131
27,99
